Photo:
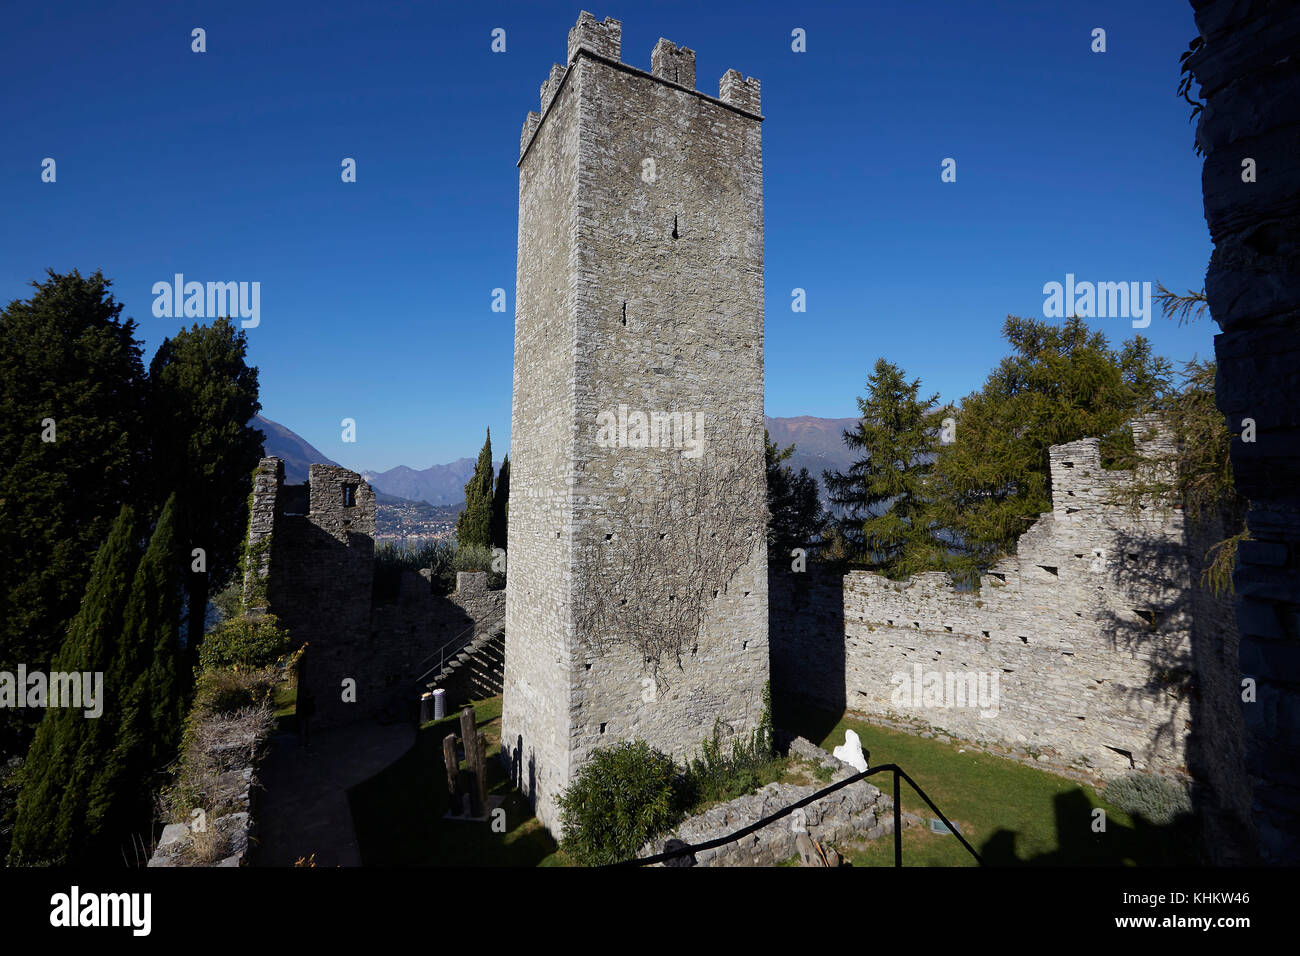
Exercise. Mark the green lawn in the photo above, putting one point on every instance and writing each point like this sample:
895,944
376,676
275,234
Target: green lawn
398,812
1011,813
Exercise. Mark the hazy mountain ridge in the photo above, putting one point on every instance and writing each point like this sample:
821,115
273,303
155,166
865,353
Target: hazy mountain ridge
819,446
819,443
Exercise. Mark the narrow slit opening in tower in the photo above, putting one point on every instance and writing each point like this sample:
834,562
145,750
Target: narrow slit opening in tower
675,236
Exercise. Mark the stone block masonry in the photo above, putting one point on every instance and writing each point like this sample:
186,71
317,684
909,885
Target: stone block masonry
1084,633
640,284
1249,77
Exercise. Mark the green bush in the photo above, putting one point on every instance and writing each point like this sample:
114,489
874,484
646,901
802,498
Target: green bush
1155,799
244,642
478,557
621,798
228,690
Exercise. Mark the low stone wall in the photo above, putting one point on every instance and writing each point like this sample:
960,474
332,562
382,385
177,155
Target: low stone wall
858,811
223,752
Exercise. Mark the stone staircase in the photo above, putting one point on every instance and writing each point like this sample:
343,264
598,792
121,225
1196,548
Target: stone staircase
476,671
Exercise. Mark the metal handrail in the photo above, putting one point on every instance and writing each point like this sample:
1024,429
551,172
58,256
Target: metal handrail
896,770
441,650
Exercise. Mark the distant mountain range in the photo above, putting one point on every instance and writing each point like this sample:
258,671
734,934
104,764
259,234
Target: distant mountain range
818,442
437,484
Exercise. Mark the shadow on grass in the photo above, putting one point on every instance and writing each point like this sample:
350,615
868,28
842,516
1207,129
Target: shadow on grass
1136,842
398,813
1015,815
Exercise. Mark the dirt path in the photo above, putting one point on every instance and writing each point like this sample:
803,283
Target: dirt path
303,806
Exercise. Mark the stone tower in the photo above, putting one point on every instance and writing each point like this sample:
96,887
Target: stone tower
637,503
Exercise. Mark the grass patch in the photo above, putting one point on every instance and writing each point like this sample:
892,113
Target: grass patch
398,813
1011,813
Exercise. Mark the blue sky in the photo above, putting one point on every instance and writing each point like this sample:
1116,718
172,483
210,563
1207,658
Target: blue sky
376,295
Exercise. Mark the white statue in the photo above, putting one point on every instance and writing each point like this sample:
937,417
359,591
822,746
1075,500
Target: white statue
851,751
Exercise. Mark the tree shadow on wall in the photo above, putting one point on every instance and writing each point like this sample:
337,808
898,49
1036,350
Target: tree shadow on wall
1079,844
1193,674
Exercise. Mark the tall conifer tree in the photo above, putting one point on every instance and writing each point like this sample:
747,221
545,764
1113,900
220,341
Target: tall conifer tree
501,505
882,498
50,824
146,679
474,526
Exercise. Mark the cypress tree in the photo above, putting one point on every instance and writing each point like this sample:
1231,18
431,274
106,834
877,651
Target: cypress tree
883,496
501,505
50,823
147,675
474,526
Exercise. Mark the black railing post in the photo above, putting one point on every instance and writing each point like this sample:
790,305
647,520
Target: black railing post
898,822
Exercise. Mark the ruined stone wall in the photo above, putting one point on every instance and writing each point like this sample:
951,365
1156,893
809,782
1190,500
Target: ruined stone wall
314,569
641,290
321,582
1086,631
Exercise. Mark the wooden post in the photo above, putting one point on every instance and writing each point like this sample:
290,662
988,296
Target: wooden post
469,734
480,770
453,769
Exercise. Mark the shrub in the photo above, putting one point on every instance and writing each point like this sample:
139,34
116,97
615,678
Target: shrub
244,642
620,799
231,689
478,557
1155,799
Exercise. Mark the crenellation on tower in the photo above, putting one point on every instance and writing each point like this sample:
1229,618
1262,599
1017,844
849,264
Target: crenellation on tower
531,122
744,93
603,39
672,63
552,86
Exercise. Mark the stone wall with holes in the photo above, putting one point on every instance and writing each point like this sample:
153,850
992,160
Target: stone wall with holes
640,286
315,554
1086,631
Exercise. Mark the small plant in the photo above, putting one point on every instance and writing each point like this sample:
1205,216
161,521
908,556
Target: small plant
244,642
751,763
208,846
622,797
1155,799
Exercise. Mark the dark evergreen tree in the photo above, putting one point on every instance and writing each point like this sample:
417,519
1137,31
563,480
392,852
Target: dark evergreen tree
50,826
67,357
202,396
501,505
794,506
474,526
149,708
882,500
